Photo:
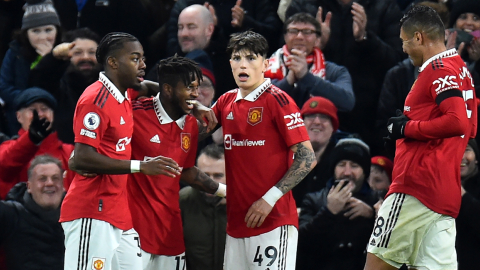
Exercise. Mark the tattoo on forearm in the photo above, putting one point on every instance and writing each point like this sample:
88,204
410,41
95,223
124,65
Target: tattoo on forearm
302,165
204,183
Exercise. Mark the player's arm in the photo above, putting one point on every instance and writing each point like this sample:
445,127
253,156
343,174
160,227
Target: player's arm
148,88
87,159
199,180
304,161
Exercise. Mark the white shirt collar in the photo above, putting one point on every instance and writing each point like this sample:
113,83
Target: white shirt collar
255,94
448,53
162,115
112,88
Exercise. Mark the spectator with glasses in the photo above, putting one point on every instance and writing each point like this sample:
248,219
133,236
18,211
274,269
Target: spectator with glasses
299,67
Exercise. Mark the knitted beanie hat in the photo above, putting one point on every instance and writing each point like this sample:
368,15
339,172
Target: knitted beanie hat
351,149
39,13
321,105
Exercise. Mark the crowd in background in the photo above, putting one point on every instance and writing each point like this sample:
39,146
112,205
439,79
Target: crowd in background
340,60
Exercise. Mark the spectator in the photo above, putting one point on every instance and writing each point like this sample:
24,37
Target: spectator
65,73
40,32
197,31
204,215
380,173
464,18
206,89
35,114
468,222
300,69
336,222
320,117
31,233
362,36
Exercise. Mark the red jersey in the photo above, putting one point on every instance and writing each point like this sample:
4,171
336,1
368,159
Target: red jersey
103,119
154,199
258,131
427,161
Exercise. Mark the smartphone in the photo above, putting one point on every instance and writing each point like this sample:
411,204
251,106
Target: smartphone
336,182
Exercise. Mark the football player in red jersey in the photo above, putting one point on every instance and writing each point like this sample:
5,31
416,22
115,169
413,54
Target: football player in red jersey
164,126
262,126
416,222
95,215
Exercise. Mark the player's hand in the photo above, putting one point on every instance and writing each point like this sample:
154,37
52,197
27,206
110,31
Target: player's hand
257,213
39,129
338,196
297,62
238,13
357,208
389,145
160,165
200,112
396,126
377,206
63,50
325,26
359,21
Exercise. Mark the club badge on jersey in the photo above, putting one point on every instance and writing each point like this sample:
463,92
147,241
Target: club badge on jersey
255,115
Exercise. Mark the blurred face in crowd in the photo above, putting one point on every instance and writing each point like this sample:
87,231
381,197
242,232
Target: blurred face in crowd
206,92
46,185
468,22
25,115
412,48
42,36
83,54
469,162
248,69
215,169
320,129
349,170
194,30
301,36
378,179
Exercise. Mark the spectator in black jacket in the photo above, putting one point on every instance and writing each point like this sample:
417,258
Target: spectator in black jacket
31,233
336,222
65,73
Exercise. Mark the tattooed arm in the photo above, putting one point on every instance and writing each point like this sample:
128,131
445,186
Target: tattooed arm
303,162
199,180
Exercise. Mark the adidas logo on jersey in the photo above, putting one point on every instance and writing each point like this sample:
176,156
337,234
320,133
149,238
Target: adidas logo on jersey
122,122
155,139
373,243
230,116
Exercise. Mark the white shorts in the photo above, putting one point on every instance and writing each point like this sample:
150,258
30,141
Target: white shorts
162,262
274,250
406,231
97,245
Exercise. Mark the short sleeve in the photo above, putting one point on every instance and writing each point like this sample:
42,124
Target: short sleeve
89,124
217,108
443,80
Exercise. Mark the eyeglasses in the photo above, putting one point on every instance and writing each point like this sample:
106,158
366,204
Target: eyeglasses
305,32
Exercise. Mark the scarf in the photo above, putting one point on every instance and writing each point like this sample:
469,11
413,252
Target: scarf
278,70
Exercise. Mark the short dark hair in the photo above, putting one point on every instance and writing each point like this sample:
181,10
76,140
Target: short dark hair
81,33
213,151
249,41
44,159
303,17
423,19
112,42
177,68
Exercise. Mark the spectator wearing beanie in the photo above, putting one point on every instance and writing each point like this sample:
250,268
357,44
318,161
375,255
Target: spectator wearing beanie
336,222
464,18
467,222
380,173
321,121
40,32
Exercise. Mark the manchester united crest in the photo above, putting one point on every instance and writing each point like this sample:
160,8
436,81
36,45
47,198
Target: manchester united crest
98,263
185,141
255,115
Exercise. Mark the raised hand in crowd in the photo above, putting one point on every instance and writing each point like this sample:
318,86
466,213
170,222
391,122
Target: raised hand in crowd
212,11
238,13
339,196
63,51
297,64
325,26
357,208
359,21
39,128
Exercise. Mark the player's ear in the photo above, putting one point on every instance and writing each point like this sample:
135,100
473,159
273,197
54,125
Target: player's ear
167,89
112,62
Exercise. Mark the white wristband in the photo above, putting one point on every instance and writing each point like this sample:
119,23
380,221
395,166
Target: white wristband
134,166
221,191
272,196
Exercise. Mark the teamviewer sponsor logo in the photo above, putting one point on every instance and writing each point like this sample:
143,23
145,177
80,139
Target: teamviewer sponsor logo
229,142
294,120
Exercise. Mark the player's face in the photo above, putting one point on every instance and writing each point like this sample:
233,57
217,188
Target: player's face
131,65
206,92
42,35
46,185
214,168
320,129
469,162
349,170
25,115
411,48
248,69
193,32
301,41
378,179
83,54
182,94
468,22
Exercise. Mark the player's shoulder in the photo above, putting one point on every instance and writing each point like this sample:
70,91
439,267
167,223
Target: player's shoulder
96,94
278,96
142,104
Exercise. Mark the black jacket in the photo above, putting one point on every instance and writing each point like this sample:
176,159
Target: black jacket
31,236
333,242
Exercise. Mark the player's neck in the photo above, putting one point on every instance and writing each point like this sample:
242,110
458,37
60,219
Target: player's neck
170,110
115,82
432,50
244,92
